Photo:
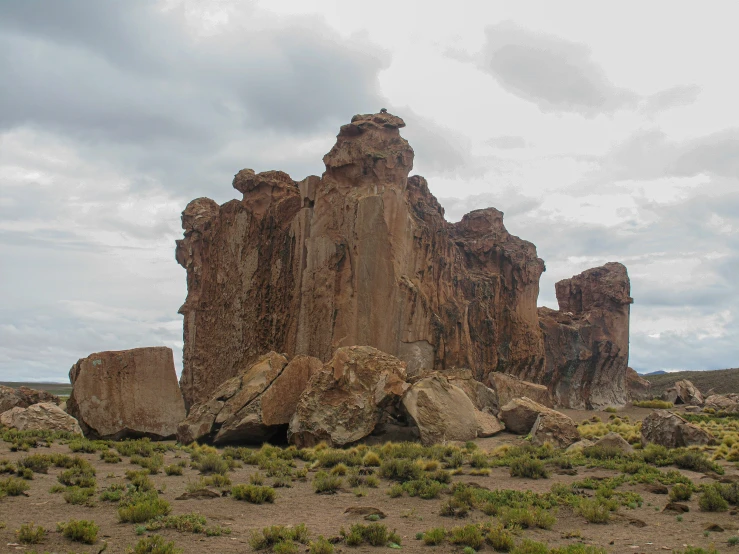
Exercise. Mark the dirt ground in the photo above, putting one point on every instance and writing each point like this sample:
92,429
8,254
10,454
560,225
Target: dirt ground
644,529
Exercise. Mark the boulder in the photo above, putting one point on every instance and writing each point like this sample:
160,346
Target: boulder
579,446
586,341
637,388
359,256
555,428
23,397
46,416
347,398
483,398
127,393
253,406
670,430
683,392
520,414
614,440
722,403
444,412
509,387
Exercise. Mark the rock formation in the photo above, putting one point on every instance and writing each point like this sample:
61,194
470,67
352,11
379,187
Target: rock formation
360,256
683,392
520,414
348,397
509,387
722,403
253,406
45,416
555,428
23,397
637,388
129,393
587,340
671,430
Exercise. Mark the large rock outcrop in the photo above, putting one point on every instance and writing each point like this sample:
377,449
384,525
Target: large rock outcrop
251,407
509,387
23,397
637,387
45,416
360,256
670,430
587,340
348,397
683,392
127,393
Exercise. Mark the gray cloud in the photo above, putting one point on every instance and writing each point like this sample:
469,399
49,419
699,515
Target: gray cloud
507,142
681,95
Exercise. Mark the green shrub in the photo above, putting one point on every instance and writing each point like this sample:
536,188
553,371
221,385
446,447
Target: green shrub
87,446
371,459
434,536
469,535
154,545
30,534
526,517
400,469
681,492
578,549
654,404
528,546
254,494
528,467
395,491
594,510
212,463
323,483
712,501
82,475
79,530
12,486
79,495
141,507
500,538
696,461
425,488
152,463
110,457
321,546
277,534
173,469
184,523
374,534
113,493
37,463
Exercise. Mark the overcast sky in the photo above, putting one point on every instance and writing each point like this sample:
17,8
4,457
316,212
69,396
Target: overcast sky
604,132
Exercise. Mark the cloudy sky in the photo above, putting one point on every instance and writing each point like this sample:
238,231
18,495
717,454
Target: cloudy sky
603,134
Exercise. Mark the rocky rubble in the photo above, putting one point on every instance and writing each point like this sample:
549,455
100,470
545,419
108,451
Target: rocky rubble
127,393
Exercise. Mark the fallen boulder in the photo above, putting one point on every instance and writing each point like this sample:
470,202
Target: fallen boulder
127,393
520,414
637,388
722,403
253,406
444,412
484,398
671,430
345,400
555,428
23,397
616,441
46,416
683,392
509,387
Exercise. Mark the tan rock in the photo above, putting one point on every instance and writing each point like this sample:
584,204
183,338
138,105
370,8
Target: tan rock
723,403
683,392
443,412
670,430
637,387
520,414
509,387
614,440
483,398
555,428
251,407
127,393
579,446
347,398
40,417
359,256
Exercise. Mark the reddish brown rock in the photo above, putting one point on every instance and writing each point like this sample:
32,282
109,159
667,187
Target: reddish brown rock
128,393
637,388
253,406
348,397
520,414
587,340
360,256
23,397
509,387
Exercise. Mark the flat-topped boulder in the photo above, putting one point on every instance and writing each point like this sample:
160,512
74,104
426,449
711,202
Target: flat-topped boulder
45,416
127,393
508,387
554,428
520,414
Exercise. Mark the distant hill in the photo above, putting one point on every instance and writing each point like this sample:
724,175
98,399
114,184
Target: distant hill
720,380
660,372
59,389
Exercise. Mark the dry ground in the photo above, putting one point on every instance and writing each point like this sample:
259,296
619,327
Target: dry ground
642,529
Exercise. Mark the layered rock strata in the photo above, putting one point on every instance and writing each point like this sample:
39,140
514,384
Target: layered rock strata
359,256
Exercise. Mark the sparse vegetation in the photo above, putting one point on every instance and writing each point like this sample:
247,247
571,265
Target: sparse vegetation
79,530
654,404
31,534
254,494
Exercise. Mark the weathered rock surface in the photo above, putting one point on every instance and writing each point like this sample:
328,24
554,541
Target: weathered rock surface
444,412
683,392
723,402
360,256
580,445
509,387
587,340
555,428
127,393
46,416
483,398
671,430
23,397
347,398
614,440
637,388
253,406
520,414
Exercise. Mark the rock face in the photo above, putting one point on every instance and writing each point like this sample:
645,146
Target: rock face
637,388
360,256
23,397
587,340
128,393
683,392
444,412
348,397
46,416
670,430
555,428
251,407
520,414
723,402
509,387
